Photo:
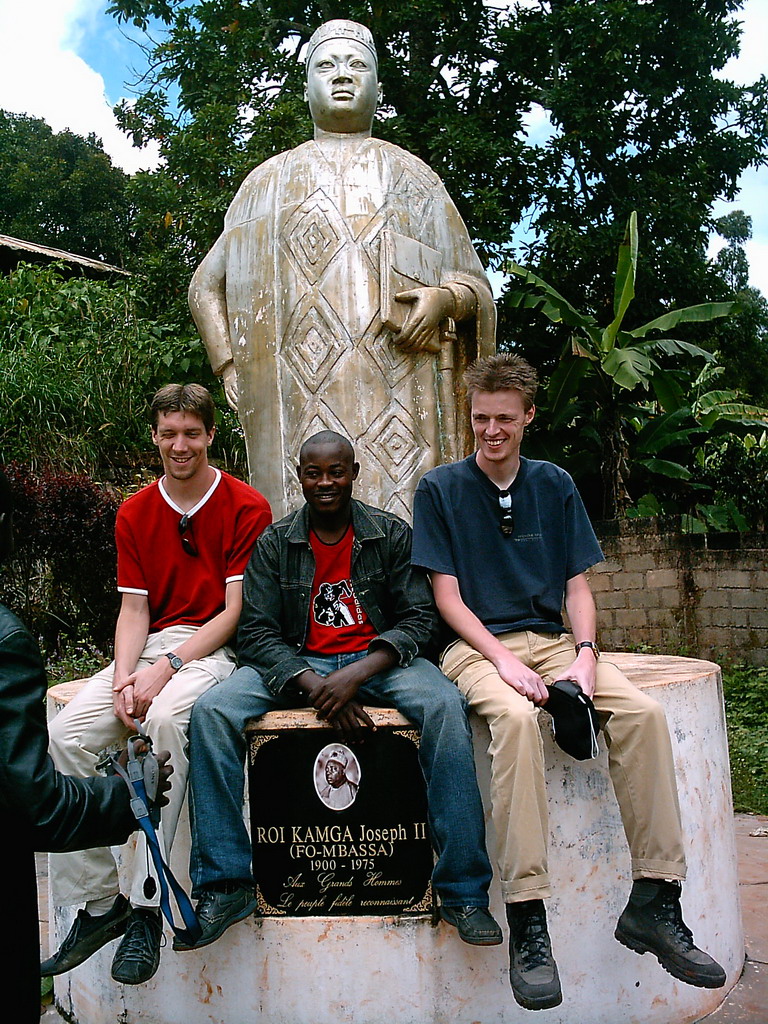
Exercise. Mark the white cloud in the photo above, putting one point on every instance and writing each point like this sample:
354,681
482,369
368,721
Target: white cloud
41,75
750,63
757,254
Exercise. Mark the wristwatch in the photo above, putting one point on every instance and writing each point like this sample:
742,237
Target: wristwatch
588,643
175,660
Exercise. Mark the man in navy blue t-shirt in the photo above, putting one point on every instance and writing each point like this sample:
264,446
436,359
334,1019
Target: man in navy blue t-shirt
507,541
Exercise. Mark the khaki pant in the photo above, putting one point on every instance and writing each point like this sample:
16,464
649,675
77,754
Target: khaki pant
88,724
639,760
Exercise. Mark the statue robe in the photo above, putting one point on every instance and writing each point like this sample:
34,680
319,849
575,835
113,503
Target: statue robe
303,295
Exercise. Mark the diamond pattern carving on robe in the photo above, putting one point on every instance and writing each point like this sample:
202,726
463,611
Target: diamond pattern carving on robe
398,506
313,236
414,188
313,343
379,348
395,442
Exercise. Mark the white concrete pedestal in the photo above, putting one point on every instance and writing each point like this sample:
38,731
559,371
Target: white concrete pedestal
405,971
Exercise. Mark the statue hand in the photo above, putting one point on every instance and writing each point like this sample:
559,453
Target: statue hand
420,332
229,380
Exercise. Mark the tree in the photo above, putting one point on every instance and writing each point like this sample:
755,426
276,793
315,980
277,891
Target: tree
743,342
60,189
638,118
619,384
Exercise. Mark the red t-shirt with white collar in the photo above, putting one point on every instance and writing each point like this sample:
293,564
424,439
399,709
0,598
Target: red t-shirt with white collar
182,588
337,622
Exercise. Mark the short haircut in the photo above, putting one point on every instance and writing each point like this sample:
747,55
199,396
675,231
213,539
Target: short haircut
503,372
184,398
327,437
6,494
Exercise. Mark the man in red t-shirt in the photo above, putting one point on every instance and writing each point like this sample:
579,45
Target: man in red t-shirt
183,544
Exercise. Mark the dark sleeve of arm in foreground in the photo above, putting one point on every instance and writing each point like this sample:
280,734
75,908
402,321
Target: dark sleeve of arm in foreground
53,812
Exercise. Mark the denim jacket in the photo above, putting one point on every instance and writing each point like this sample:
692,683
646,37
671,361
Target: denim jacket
277,588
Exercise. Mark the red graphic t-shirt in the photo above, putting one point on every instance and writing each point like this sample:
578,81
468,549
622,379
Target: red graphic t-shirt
337,622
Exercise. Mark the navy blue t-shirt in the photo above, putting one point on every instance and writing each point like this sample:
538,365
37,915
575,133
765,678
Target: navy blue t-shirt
512,582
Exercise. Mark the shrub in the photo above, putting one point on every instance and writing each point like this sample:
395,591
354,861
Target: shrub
746,711
62,578
78,367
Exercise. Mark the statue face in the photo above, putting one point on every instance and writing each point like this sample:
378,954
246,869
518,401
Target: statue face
342,88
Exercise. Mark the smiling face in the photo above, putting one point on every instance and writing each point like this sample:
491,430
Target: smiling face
327,472
342,88
499,419
183,442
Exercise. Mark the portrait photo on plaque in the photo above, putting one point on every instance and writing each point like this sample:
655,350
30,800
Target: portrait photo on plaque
337,776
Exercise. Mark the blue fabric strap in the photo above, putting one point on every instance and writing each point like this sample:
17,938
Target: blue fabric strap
140,806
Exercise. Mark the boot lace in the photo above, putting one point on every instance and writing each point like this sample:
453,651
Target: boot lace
668,912
533,942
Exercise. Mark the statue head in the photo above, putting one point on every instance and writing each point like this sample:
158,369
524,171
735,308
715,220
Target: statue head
342,87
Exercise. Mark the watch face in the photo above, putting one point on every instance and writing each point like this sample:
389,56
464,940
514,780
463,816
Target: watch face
175,661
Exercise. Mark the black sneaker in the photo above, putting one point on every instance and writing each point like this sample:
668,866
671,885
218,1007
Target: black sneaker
475,925
87,935
532,968
652,922
138,955
217,911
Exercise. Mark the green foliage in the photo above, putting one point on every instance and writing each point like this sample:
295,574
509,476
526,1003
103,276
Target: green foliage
743,342
636,397
746,712
549,124
78,366
735,472
75,658
61,579
641,120
60,189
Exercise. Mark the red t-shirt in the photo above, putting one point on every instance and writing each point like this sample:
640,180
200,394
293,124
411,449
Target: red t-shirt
337,621
182,588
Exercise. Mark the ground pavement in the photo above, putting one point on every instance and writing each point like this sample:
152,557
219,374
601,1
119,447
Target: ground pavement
746,1003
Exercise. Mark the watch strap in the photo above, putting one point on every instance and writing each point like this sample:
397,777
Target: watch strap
588,643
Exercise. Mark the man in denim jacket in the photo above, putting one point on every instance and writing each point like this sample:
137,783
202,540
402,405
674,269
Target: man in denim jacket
334,616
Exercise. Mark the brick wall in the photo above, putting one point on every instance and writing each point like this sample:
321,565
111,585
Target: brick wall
701,595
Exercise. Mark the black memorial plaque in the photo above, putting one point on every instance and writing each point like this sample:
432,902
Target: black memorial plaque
339,829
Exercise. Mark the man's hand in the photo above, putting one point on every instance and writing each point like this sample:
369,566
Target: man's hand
353,723
139,689
420,332
521,678
164,763
332,698
583,671
329,694
231,388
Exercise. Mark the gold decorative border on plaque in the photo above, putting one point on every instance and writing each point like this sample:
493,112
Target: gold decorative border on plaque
409,734
426,904
266,909
257,741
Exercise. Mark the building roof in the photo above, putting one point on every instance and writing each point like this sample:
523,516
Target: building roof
14,250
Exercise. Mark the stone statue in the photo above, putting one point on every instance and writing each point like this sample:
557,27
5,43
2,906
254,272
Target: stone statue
344,293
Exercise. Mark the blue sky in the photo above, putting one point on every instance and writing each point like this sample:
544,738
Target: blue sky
69,63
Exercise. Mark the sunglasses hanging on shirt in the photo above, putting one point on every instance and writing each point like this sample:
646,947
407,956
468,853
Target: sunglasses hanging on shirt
507,522
187,536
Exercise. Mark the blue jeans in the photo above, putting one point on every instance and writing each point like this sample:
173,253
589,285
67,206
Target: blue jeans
221,847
